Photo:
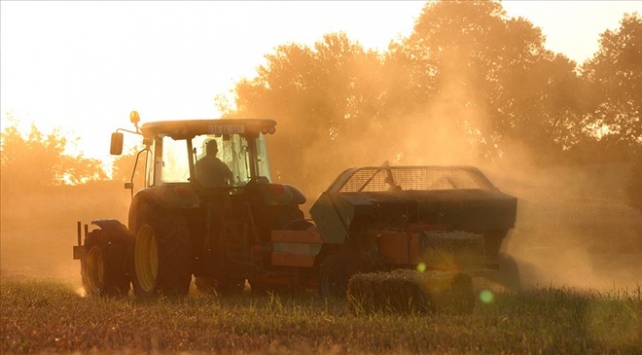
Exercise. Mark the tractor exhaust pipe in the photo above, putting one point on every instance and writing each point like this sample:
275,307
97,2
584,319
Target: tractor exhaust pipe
79,234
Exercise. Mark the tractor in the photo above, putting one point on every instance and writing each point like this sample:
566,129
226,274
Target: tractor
245,229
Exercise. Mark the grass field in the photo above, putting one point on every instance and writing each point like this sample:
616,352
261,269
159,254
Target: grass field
49,316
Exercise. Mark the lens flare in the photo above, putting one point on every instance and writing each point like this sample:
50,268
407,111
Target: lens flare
486,296
421,267
81,292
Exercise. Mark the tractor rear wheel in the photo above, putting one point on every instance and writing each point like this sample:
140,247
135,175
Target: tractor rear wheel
162,253
334,274
103,269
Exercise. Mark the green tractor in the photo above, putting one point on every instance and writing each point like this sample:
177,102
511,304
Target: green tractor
183,223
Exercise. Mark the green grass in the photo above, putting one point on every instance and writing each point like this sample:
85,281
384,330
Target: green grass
45,316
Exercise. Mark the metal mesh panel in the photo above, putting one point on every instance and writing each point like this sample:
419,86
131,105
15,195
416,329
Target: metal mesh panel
414,178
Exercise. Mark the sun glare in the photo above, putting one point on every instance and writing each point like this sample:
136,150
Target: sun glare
486,296
86,81
81,292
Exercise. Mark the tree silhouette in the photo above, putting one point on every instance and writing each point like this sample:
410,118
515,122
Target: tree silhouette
37,160
321,96
615,75
468,83
490,81
614,119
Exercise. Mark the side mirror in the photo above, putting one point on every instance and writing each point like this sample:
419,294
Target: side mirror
116,147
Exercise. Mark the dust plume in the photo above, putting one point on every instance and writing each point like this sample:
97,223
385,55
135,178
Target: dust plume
573,227
38,228
428,136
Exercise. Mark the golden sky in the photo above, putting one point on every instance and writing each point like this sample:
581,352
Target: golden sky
83,66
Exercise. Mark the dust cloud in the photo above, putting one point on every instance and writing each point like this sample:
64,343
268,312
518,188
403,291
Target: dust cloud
429,135
573,226
39,228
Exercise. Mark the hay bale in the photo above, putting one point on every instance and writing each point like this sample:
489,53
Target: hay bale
408,291
452,250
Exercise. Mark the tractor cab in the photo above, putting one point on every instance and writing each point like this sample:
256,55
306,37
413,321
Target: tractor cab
173,150
178,166
177,147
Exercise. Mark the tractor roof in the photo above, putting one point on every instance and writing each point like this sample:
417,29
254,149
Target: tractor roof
181,129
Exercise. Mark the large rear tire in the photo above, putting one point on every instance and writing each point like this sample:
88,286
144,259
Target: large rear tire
162,256
103,269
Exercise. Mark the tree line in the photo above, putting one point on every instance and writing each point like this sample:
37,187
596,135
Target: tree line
36,161
469,84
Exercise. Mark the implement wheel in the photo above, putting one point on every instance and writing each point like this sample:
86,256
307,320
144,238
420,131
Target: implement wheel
103,269
334,274
162,255
509,275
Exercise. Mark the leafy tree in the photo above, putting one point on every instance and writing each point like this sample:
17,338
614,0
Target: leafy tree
322,96
615,75
37,160
468,82
491,81
614,118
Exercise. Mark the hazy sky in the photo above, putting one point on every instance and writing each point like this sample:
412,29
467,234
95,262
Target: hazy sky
83,66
